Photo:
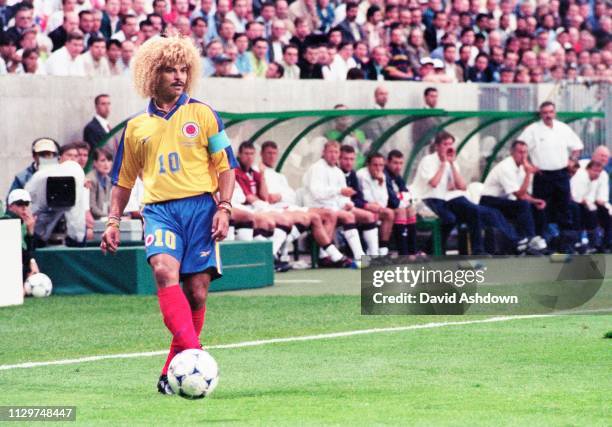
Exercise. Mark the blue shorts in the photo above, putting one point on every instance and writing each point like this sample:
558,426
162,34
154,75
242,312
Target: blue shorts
182,229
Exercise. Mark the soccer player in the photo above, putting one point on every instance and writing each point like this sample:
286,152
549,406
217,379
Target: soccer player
185,156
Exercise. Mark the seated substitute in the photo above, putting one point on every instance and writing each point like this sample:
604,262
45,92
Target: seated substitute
400,200
507,190
373,183
366,212
443,190
321,221
325,186
587,213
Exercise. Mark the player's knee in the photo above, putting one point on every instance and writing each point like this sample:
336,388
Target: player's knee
196,295
164,274
371,217
387,214
315,221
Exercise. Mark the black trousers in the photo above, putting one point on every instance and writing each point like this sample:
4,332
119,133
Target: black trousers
554,188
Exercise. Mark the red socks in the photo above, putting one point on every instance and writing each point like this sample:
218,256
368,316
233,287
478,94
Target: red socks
184,324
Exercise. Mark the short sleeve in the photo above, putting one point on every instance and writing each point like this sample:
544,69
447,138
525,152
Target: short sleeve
219,146
573,141
427,169
127,164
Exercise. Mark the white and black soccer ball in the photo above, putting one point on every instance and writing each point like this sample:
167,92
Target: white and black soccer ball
193,374
38,285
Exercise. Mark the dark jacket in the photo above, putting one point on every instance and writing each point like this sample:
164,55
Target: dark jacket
400,185
371,73
474,75
347,34
22,178
58,37
93,133
310,71
353,182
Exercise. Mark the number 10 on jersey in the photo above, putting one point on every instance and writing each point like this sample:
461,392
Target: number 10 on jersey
174,163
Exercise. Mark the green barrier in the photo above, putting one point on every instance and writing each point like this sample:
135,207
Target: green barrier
86,270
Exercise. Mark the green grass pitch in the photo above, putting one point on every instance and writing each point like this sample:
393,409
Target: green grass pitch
538,371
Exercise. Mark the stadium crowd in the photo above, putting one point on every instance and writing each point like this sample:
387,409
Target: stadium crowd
506,41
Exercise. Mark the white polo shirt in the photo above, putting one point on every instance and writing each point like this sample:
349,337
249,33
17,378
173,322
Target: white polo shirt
428,166
602,191
549,148
373,190
504,180
583,189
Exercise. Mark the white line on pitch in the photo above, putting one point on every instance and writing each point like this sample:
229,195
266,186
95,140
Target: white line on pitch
296,339
298,281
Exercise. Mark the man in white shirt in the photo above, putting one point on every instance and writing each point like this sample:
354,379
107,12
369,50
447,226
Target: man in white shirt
326,187
440,185
129,29
588,210
343,61
238,15
94,60
551,144
321,221
67,61
507,190
373,183
442,188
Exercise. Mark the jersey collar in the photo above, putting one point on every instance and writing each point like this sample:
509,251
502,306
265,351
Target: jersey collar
153,110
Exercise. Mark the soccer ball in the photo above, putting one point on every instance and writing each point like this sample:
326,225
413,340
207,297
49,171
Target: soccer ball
38,285
193,374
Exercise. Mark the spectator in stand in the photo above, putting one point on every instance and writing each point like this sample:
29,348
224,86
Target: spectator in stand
376,68
275,71
86,25
97,129
238,15
213,50
127,52
227,30
44,152
24,17
59,36
277,40
289,62
436,30
113,54
267,17
258,57
243,60
111,22
451,69
309,67
129,29
416,48
342,62
67,60
30,63
480,72
83,149
199,33
306,11
56,19
100,191
94,60
351,30
551,144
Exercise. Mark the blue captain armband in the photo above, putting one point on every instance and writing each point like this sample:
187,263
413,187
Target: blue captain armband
218,142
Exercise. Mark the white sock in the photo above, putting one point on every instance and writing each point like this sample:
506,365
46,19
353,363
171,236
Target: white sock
352,238
278,238
245,234
323,253
371,238
334,253
231,233
260,238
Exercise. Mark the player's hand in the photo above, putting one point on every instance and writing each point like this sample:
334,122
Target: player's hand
347,192
110,239
374,207
220,225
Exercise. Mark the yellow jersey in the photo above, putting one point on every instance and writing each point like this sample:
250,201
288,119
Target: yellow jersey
180,153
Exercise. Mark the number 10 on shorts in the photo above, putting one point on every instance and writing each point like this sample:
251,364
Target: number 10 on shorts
165,238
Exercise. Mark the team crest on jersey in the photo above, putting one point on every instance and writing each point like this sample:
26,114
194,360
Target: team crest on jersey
191,130
149,240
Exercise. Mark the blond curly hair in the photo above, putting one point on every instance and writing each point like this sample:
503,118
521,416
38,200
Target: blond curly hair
159,52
